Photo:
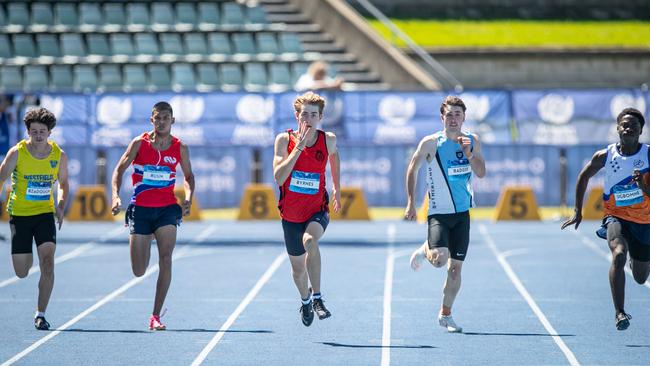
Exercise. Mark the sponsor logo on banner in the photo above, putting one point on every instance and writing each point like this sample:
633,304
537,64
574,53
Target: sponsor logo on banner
113,111
556,109
58,135
53,104
396,112
372,175
478,107
214,175
187,109
626,100
255,111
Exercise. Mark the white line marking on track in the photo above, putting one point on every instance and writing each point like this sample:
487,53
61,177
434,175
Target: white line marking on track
205,234
603,253
151,270
65,257
242,306
529,299
388,295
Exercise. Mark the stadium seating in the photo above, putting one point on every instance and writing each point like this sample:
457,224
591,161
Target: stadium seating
148,45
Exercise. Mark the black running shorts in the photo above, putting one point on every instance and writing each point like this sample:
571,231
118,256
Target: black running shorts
146,220
450,231
27,229
293,232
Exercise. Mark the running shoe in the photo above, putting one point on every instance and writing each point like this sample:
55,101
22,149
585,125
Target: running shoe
41,324
448,322
307,314
155,324
320,309
417,257
623,320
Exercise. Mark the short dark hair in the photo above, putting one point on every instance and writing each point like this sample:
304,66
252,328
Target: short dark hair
162,106
40,115
631,112
452,100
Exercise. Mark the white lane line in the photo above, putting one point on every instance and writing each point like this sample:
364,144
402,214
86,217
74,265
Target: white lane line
205,233
65,257
603,253
150,271
388,298
529,299
242,306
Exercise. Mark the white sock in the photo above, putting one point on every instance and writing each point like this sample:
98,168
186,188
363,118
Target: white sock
39,313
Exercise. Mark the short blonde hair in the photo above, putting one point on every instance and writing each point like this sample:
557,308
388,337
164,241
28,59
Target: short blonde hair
309,98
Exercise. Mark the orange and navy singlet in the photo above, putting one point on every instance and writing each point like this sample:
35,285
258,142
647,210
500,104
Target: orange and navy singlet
303,193
622,196
154,174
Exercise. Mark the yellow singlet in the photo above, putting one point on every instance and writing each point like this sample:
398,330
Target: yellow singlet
32,182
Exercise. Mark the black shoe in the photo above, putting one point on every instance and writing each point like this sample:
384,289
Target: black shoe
41,324
320,309
307,314
623,320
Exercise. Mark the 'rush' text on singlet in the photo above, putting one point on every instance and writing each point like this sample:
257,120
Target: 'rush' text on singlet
154,174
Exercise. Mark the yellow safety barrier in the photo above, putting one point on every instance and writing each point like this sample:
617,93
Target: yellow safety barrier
353,205
593,207
195,210
517,203
90,204
258,203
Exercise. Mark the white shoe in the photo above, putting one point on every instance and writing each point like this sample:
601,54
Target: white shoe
448,322
416,258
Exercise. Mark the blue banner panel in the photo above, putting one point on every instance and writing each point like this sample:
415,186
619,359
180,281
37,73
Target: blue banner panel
220,174
68,108
200,119
405,118
577,157
570,117
531,165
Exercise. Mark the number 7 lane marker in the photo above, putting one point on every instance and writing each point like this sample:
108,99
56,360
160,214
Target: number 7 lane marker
150,271
240,309
501,257
65,257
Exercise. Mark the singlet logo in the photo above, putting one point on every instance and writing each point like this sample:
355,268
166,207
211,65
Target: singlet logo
459,154
638,163
53,163
169,159
319,155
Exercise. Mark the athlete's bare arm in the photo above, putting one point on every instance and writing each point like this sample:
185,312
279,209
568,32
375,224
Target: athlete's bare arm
475,157
283,162
597,162
8,164
116,181
335,167
64,188
426,150
188,185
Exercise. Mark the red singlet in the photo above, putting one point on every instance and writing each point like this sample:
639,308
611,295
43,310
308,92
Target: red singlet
303,193
154,174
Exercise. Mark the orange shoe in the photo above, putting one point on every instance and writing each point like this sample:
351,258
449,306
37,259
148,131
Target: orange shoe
155,324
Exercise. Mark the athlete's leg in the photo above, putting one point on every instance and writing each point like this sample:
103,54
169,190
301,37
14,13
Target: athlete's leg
299,274
438,256
166,240
140,246
46,282
618,246
310,239
640,270
21,256
452,285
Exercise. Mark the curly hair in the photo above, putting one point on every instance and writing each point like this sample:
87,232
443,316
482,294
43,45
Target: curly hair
309,98
40,115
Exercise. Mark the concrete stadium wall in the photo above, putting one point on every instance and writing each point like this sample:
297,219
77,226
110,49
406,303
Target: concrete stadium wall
520,9
547,68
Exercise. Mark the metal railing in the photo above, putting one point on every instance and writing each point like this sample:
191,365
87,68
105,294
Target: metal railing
434,67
